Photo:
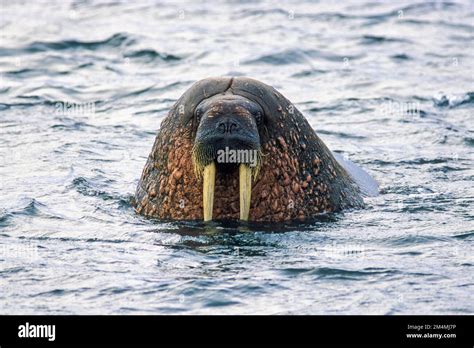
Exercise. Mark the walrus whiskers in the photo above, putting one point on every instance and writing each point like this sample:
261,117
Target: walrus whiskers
202,155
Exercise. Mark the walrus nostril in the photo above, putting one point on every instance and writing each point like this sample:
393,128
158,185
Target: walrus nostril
233,128
228,127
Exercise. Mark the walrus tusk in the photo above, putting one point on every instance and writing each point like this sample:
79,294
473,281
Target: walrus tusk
208,190
245,179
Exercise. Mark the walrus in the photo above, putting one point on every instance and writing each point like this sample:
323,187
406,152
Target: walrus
235,148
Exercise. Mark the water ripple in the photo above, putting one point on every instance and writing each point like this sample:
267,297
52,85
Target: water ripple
114,41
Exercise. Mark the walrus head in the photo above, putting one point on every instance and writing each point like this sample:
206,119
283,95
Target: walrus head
227,139
235,148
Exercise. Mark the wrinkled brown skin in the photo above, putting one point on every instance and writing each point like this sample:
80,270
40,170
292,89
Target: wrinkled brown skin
299,178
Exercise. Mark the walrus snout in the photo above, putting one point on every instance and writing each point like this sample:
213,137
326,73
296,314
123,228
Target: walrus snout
227,139
227,132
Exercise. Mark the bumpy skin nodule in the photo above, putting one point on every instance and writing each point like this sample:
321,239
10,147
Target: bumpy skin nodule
299,177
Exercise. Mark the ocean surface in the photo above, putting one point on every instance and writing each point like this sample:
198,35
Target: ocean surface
84,86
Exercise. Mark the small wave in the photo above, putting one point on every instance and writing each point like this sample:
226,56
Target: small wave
5,218
341,134
375,40
469,141
152,112
466,235
126,202
31,208
114,291
84,65
54,292
401,56
152,55
415,239
423,160
72,126
261,12
28,207
280,58
12,270
452,101
133,93
24,73
433,6
114,41
337,273
220,303
439,24
310,72
414,9
86,188
411,253
292,56
152,89
61,292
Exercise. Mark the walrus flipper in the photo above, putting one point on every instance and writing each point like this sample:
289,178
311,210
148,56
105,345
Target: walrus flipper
367,184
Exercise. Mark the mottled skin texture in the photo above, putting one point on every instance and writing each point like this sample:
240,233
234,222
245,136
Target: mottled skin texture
299,177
